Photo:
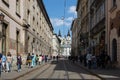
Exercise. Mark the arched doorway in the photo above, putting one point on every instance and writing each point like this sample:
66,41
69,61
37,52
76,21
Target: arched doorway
114,50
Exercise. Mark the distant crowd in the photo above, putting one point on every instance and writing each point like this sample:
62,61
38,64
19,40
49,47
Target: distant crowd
93,61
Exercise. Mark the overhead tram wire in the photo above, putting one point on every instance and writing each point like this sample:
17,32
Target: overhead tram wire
63,18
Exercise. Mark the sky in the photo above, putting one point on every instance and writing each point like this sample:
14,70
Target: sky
61,14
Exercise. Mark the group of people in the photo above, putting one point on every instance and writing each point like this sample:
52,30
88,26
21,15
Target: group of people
97,61
33,59
93,61
6,61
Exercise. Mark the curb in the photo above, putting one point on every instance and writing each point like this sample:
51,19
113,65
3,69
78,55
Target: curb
90,71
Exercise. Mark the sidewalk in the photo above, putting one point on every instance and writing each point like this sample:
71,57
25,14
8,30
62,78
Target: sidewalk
14,74
105,74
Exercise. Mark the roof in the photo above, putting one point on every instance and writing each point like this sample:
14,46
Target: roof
41,4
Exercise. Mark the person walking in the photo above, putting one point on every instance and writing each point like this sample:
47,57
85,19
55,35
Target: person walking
89,59
3,63
29,60
33,60
9,62
40,59
0,63
19,62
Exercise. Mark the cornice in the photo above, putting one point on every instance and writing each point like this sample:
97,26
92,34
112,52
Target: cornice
10,16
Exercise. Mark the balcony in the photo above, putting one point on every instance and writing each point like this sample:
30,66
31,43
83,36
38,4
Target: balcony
98,16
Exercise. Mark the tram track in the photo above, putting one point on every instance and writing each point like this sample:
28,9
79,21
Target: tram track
29,72
58,70
83,69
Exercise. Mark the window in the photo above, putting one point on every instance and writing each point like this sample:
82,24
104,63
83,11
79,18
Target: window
119,32
114,3
18,7
6,2
28,16
33,20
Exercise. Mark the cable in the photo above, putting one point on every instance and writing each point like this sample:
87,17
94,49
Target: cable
64,15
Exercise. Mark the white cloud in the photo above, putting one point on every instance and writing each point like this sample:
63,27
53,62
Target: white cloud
57,22
72,9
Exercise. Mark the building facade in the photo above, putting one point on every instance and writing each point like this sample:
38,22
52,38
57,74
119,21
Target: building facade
97,26
74,44
38,28
103,31
26,28
82,26
65,45
12,33
56,45
113,30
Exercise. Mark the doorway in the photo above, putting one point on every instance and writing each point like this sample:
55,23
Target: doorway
4,33
17,41
114,50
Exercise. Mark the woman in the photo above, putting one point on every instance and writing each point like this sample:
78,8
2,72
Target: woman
29,59
9,62
19,62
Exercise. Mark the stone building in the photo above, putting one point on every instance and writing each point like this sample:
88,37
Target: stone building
97,26
12,33
38,28
113,30
74,45
82,25
56,45
26,28
65,45
103,27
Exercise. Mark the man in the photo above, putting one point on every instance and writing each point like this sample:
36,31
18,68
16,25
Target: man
3,63
0,63
89,59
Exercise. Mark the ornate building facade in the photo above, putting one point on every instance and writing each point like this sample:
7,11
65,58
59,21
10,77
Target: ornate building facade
56,45
113,30
65,45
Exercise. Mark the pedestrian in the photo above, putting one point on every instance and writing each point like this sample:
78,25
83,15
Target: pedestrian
29,60
89,59
45,58
36,60
40,59
0,63
19,62
94,61
33,60
3,63
9,62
